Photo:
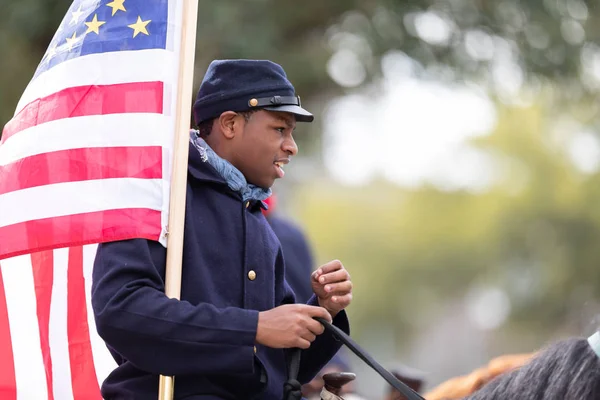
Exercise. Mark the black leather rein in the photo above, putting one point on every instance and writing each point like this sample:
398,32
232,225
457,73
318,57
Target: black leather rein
292,388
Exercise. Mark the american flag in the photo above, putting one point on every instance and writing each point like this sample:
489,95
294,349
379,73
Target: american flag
85,159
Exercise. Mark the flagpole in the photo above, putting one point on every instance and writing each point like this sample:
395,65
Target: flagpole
180,166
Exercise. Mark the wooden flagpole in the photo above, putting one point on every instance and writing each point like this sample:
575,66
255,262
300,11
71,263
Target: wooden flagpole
180,167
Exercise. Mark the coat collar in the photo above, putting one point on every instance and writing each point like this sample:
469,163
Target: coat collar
204,172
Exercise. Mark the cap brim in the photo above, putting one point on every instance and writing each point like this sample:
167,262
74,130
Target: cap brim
301,114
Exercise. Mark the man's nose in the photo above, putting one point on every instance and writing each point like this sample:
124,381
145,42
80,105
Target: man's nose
290,146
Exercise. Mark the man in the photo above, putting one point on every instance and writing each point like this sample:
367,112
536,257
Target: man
226,337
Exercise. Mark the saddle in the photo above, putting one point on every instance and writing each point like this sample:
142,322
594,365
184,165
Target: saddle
333,384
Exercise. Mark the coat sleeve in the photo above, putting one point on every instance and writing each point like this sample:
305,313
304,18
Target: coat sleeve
161,335
325,346
322,350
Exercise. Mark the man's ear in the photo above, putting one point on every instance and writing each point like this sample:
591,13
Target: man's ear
228,124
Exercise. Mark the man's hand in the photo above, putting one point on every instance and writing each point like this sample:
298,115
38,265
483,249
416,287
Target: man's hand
333,287
290,325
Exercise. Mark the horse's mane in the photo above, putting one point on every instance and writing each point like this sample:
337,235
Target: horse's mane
566,370
461,386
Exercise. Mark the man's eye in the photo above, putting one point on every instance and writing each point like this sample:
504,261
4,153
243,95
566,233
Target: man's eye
281,130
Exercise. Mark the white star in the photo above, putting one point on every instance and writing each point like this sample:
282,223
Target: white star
75,15
73,41
50,53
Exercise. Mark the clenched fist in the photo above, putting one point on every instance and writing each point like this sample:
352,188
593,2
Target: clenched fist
290,325
333,287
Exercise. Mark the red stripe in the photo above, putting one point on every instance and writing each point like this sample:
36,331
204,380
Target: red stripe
8,383
43,275
81,165
83,372
137,97
79,229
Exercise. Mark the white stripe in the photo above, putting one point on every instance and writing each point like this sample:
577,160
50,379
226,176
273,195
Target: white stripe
58,333
103,361
93,131
69,198
102,69
30,374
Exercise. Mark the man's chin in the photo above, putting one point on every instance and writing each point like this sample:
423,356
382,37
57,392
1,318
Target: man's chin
264,184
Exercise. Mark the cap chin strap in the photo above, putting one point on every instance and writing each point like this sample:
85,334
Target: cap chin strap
594,342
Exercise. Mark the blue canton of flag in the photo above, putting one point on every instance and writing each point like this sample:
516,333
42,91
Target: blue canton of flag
100,26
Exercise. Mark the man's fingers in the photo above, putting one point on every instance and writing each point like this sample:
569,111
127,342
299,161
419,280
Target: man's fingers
329,267
343,301
338,288
314,311
316,327
336,276
309,336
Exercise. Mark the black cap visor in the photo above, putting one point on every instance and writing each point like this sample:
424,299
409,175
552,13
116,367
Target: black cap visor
301,114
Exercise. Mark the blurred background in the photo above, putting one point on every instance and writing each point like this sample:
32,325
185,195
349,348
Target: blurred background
453,166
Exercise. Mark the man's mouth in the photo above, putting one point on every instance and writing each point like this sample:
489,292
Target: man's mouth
279,169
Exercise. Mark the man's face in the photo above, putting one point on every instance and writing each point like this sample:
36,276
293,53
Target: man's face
265,146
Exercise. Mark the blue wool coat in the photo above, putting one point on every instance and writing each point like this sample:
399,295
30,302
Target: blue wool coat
297,254
208,338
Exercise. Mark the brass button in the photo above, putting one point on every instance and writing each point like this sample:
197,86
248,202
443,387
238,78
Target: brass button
254,349
247,204
252,275
253,102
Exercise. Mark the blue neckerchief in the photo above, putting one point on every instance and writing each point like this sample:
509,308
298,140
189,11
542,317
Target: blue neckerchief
234,178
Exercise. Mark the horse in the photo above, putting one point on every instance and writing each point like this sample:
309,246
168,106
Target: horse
459,387
568,369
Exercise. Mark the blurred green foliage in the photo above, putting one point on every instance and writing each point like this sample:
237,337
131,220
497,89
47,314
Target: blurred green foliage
533,235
